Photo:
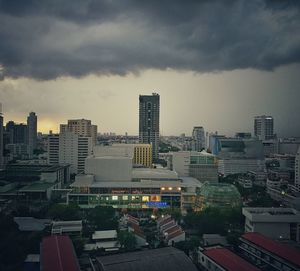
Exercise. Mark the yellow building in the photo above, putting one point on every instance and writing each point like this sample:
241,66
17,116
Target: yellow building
143,155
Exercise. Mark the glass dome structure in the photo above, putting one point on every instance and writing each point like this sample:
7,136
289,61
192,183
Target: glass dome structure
220,195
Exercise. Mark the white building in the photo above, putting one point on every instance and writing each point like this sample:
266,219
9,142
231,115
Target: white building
81,127
109,168
67,227
276,223
200,165
233,166
69,148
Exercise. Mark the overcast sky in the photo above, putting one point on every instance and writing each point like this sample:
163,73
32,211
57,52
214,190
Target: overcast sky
214,63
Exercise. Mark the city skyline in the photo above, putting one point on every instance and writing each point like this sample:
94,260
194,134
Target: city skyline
91,59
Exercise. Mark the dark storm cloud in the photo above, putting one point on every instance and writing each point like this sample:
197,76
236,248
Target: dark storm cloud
49,39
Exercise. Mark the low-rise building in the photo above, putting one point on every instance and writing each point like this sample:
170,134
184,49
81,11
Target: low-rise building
277,223
222,259
170,231
57,253
267,253
67,227
106,240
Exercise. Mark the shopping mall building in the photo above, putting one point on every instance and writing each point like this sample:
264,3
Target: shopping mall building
113,181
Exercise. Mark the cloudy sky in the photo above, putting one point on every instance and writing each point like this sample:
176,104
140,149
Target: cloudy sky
214,63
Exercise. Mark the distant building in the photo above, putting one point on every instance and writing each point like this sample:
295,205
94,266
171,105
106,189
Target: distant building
222,259
237,155
1,138
57,253
288,145
269,254
81,127
18,133
276,223
198,136
214,145
200,165
149,109
297,169
264,127
243,135
32,131
53,149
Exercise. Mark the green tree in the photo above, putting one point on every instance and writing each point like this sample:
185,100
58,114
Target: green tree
127,240
103,218
64,212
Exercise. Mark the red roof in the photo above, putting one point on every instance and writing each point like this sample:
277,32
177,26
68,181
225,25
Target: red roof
57,253
283,251
228,260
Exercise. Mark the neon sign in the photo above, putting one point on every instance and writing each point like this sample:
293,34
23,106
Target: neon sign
157,204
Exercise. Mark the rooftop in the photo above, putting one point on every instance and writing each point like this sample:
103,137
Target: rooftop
31,223
57,253
104,234
36,187
34,167
283,251
162,259
228,260
154,173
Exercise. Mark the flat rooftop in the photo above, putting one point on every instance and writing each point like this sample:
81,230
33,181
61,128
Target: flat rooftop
36,187
33,167
162,259
154,173
271,214
110,234
142,184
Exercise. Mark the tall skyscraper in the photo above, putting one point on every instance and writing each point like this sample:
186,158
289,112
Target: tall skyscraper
149,122
81,127
264,127
198,136
1,137
32,131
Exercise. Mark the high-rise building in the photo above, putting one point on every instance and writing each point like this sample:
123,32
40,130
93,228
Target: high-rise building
264,127
81,127
53,149
18,133
1,137
69,148
32,131
149,122
198,136
297,169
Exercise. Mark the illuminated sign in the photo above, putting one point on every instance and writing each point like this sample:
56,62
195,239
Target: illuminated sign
157,204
